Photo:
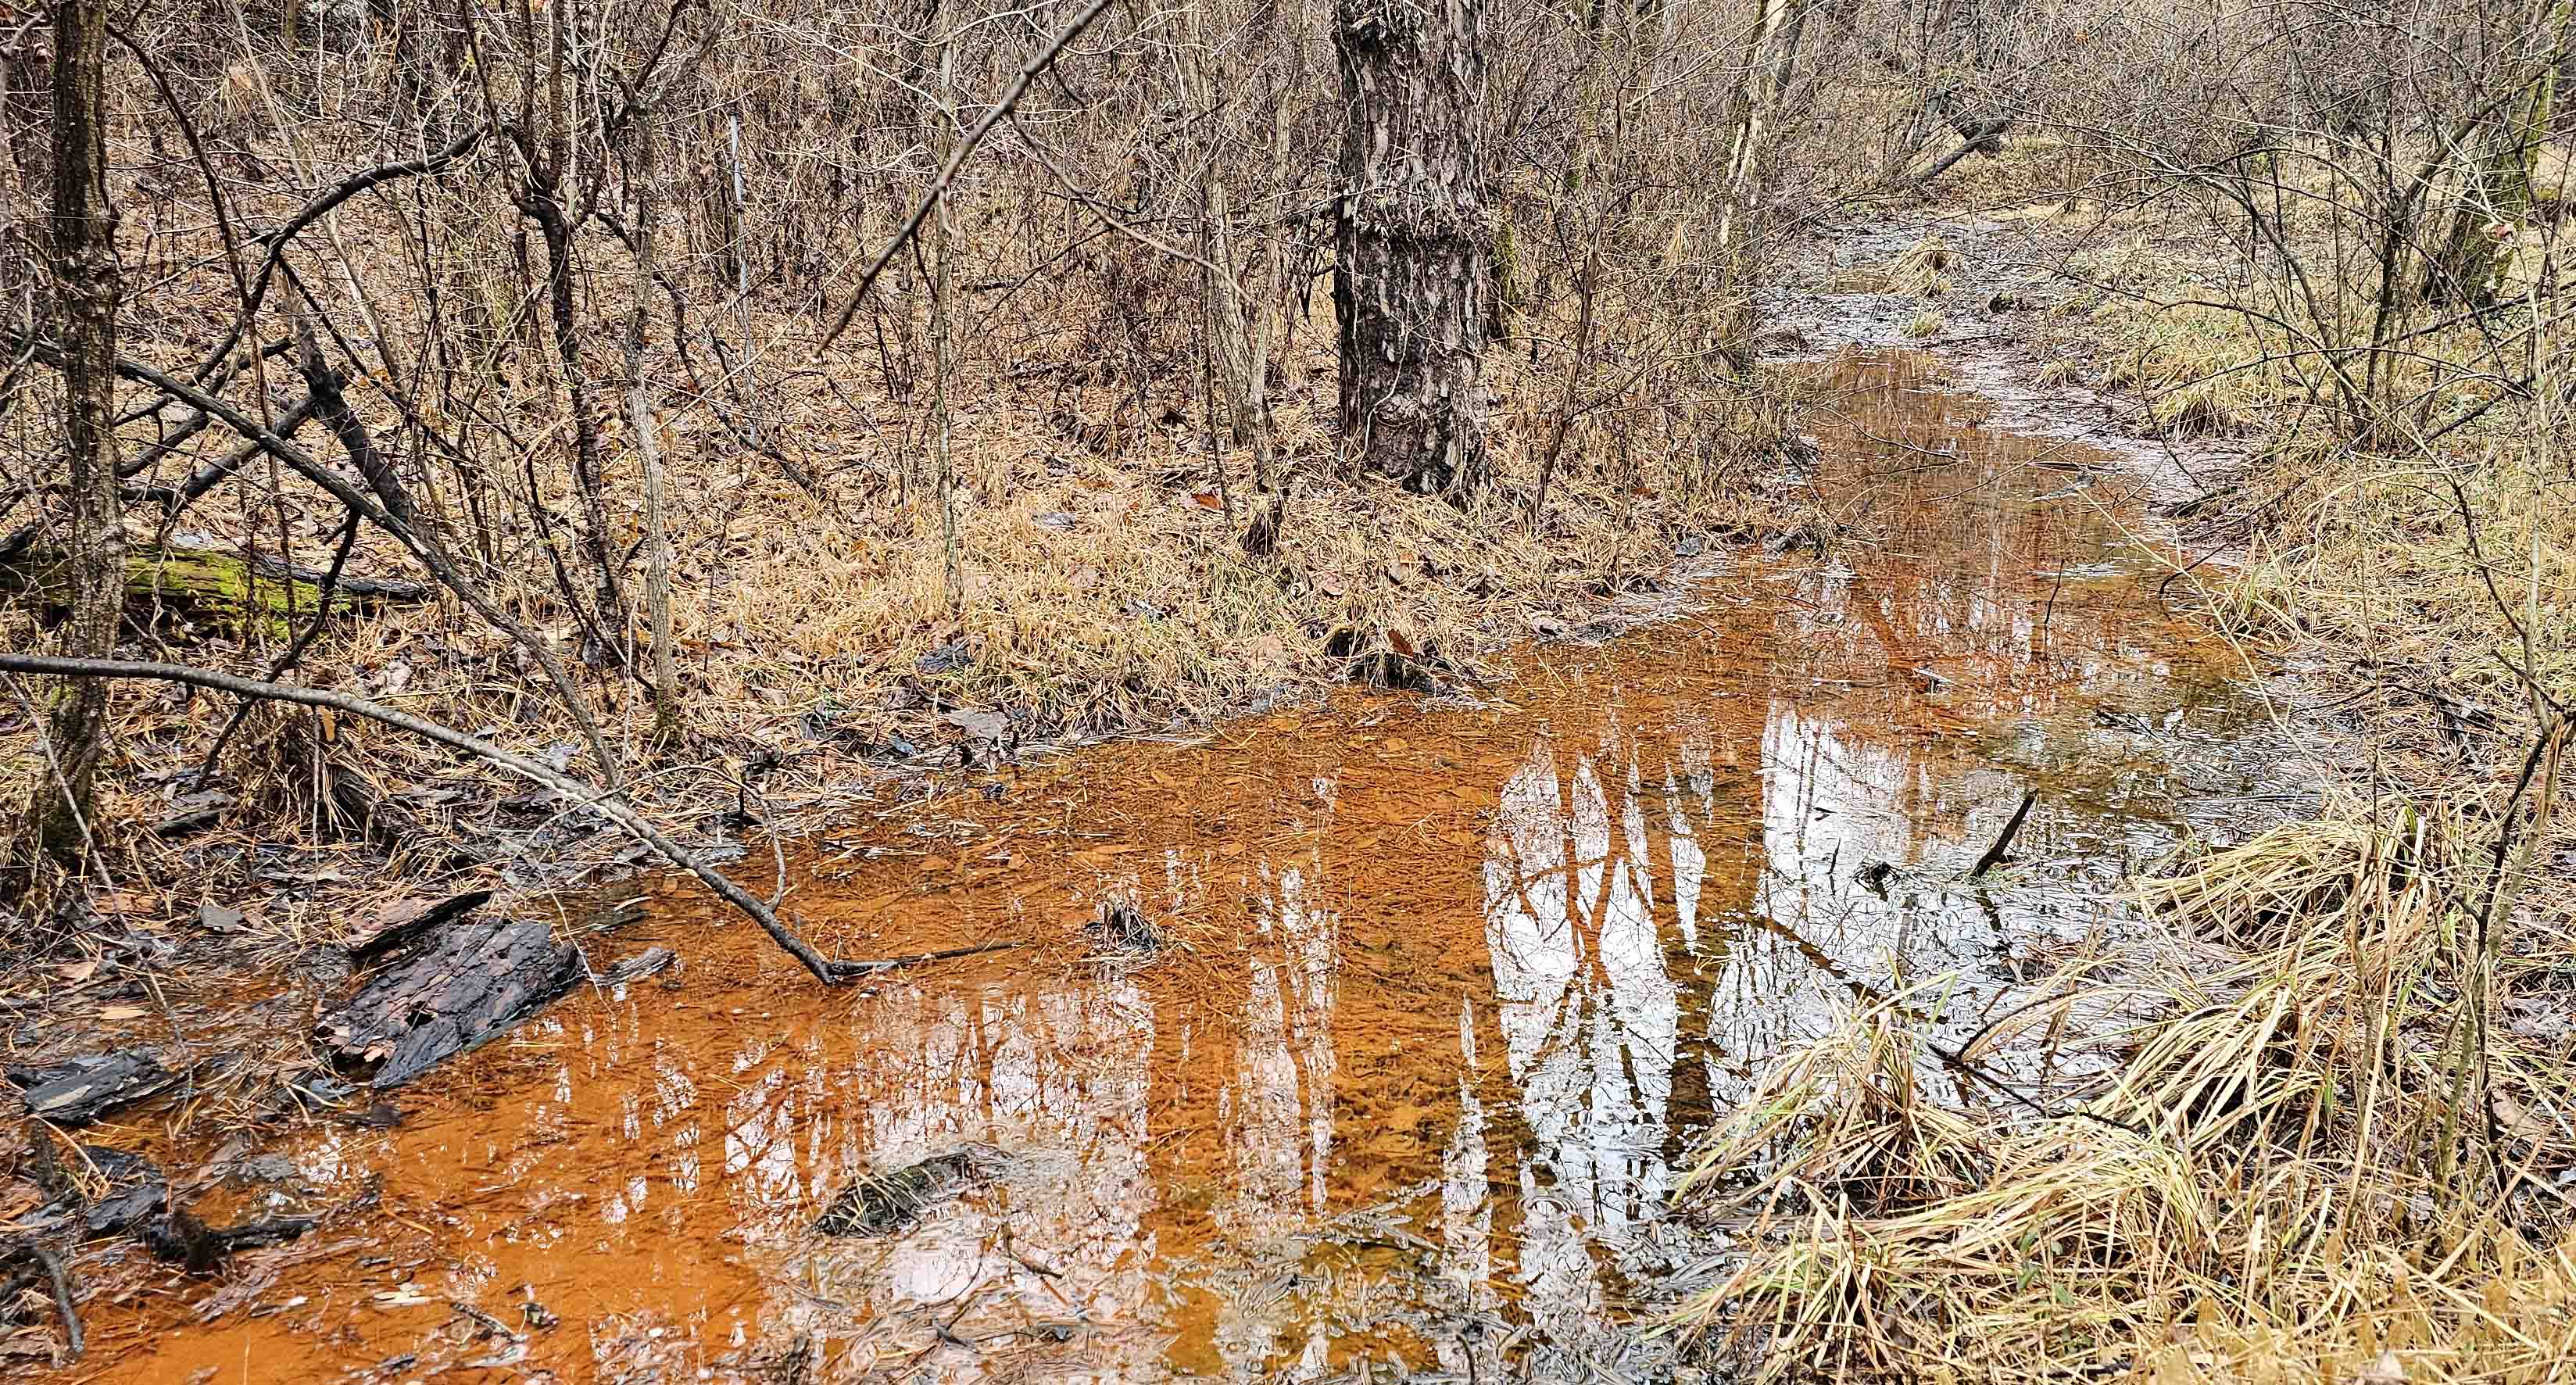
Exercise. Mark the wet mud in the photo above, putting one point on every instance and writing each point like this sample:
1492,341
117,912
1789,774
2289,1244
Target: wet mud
1437,997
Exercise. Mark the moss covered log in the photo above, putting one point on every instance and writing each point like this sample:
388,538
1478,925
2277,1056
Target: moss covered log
223,590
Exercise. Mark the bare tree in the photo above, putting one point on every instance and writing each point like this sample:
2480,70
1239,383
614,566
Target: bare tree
85,283
1412,241
646,427
1769,65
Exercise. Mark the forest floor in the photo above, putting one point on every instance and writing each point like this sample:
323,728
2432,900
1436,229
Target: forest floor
833,662
835,675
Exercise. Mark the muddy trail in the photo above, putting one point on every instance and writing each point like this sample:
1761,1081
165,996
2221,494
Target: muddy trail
1361,1041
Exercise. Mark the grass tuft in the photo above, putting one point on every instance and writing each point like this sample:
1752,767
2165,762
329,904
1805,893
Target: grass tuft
2283,1169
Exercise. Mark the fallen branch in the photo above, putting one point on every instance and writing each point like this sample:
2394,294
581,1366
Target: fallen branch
2004,841
604,802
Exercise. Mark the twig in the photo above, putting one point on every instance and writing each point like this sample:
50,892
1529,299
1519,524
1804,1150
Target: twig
2541,744
51,1260
2004,840
870,968
315,210
329,584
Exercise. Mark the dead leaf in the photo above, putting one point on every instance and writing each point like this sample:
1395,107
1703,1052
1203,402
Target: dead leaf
1207,500
983,726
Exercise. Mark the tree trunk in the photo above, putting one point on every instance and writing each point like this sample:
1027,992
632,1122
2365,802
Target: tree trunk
85,296
641,422
1769,64
1412,242
2495,198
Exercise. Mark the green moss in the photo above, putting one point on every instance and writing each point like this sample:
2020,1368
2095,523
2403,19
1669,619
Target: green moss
216,589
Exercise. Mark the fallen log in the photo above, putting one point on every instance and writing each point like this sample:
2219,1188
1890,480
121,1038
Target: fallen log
458,988
259,593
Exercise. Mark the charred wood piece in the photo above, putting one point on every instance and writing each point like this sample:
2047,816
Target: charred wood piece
79,1090
456,988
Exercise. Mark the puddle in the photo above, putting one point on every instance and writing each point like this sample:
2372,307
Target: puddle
1435,1004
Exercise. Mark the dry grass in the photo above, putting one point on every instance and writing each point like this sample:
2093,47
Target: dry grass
1102,590
2424,571
2328,1117
2285,1175
1921,270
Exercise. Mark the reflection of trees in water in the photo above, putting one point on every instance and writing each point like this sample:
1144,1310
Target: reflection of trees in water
2007,516
1277,1117
1594,892
1058,1076
1661,911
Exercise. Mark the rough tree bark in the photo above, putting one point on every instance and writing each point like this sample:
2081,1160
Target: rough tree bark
1412,240
83,243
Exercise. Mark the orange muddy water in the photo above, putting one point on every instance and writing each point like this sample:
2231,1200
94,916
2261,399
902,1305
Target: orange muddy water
1443,993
